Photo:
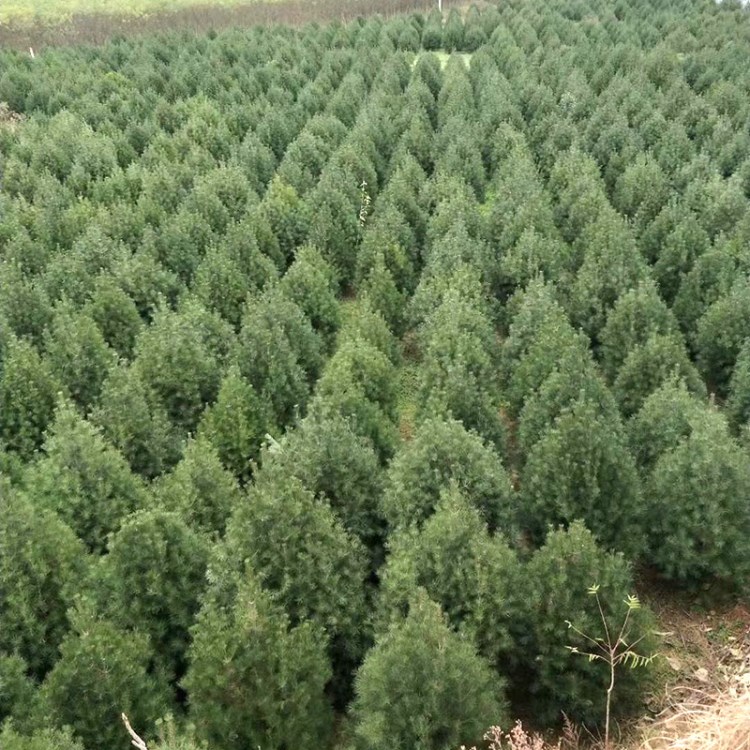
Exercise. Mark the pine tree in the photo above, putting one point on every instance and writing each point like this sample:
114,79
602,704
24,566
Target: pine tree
581,469
41,565
304,556
697,514
442,452
237,423
133,420
27,398
445,691
83,479
151,579
474,576
559,576
102,671
199,489
255,680
78,356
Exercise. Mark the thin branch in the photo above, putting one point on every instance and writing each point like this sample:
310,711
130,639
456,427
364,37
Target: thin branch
604,619
135,740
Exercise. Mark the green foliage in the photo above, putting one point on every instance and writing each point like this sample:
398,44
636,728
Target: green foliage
254,679
641,190
721,333
331,460
558,577
310,282
678,252
440,453
41,563
614,648
649,365
458,373
250,249
16,689
453,32
738,403
474,576
237,423
359,383
581,468
150,581
637,315
532,255
711,277
475,34
697,514
133,420
278,352
172,736
116,315
318,297
365,324
574,378
199,489
334,224
83,479
27,398
381,292
42,739
179,358
302,553
78,356
287,216
611,265
445,690
432,35
107,669
540,334
576,182
662,422
221,285
25,305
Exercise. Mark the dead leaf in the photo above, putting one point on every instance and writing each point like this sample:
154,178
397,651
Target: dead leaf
675,663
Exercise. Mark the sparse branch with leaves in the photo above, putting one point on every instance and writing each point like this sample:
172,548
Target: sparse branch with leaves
614,652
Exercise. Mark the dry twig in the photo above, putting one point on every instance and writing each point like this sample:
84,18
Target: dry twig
135,740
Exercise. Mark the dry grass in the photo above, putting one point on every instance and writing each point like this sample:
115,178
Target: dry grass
519,738
199,16
701,721
718,722
57,10
8,116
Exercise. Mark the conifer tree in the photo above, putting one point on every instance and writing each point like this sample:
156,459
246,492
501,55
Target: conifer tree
473,575
107,670
442,452
255,679
27,398
41,566
559,576
237,423
697,513
581,469
445,689
199,488
83,479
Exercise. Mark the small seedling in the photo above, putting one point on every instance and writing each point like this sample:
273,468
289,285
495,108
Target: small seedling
614,652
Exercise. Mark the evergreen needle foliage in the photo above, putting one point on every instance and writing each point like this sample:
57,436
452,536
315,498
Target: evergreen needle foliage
338,360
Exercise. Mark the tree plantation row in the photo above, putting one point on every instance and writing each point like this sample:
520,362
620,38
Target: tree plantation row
337,364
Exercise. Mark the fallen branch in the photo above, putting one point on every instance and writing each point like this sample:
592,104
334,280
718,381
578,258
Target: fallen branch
135,740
